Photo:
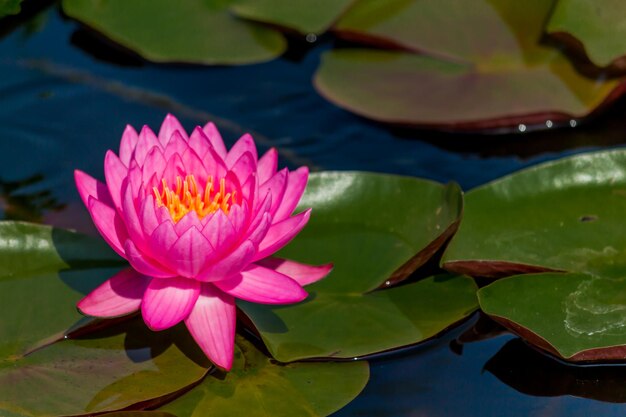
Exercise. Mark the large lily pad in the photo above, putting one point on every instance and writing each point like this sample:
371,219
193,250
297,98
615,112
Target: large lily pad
486,70
109,371
193,31
259,386
374,228
408,89
596,26
563,215
305,16
579,317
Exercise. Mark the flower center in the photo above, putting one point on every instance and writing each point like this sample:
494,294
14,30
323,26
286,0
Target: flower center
189,197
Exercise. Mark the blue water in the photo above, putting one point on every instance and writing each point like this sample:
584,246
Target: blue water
61,108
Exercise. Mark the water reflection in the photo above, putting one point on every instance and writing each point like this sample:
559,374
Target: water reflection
532,373
24,200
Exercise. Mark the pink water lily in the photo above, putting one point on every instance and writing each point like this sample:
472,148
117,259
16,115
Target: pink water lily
197,224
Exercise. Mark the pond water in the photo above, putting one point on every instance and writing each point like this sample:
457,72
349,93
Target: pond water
66,97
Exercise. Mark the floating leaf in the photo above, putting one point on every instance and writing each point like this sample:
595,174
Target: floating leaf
595,26
115,369
9,7
182,31
258,385
371,227
562,215
38,291
305,16
487,69
579,317
408,89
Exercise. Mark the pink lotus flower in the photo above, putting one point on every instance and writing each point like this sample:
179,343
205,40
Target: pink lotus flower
196,223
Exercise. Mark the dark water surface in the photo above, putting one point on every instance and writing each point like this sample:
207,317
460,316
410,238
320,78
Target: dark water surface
63,103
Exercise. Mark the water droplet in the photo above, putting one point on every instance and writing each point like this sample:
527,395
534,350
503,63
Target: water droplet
522,128
549,124
311,37
387,283
573,123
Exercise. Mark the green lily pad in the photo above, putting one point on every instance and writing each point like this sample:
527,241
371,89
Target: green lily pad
38,290
598,27
407,89
376,230
191,31
566,215
108,371
484,70
579,317
9,7
304,16
259,386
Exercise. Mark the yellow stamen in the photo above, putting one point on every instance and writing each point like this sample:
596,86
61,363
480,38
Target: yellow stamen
187,197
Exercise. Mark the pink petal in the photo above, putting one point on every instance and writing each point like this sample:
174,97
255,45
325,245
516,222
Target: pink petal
258,233
243,145
146,141
199,142
281,233
188,221
114,171
212,325
144,264
109,224
131,217
153,165
262,285
276,187
128,143
244,167
267,165
149,220
238,216
167,302
215,138
163,237
90,187
230,265
303,274
190,253
296,183
214,164
118,296
177,145
170,126
175,168
194,166
220,232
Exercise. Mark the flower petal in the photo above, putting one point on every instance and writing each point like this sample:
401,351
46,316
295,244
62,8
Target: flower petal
262,285
267,165
128,143
276,187
281,233
167,302
190,253
176,145
212,325
220,232
215,138
230,265
199,141
169,126
244,167
149,220
88,186
146,141
243,145
154,164
303,274
110,225
118,296
296,183
114,171
145,265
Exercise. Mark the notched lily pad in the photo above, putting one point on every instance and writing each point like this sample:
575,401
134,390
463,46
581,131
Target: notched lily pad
187,31
304,16
108,371
370,226
566,215
258,385
594,27
578,317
